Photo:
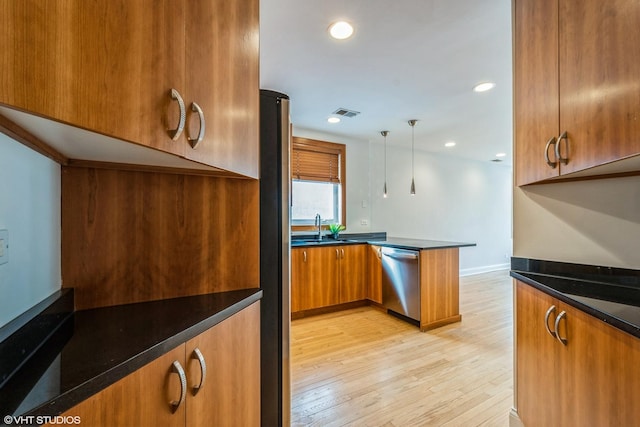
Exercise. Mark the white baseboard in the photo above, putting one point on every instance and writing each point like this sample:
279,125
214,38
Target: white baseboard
484,269
514,419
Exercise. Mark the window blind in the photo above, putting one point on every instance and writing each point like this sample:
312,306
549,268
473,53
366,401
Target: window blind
315,163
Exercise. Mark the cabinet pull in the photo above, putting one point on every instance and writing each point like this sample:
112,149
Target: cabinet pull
551,164
379,252
175,133
342,250
560,316
551,310
197,354
337,254
563,160
177,369
194,142
304,256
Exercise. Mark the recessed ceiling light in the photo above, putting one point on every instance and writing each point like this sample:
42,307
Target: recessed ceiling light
450,144
483,87
341,30
501,154
333,119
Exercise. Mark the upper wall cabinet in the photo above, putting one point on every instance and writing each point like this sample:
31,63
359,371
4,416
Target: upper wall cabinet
177,76
577,102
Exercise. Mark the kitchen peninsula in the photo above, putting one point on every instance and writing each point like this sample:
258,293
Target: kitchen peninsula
413,279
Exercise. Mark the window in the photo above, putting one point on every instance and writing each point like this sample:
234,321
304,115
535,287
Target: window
318,182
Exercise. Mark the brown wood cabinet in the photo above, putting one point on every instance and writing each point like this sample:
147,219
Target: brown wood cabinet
326,276
109,67
574,66
229,394
374,276
590,380
317,284
439,287
352,267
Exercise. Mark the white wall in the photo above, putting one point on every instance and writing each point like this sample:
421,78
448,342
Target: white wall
30,210
456,199
586,222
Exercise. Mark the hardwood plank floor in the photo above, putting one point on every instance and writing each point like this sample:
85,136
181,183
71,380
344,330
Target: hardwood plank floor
363,367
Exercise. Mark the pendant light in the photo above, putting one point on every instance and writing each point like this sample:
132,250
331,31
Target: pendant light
384,189
412,123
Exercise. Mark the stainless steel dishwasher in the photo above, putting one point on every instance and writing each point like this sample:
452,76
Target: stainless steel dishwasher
401,282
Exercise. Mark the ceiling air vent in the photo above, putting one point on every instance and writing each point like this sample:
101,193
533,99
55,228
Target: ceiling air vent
345,113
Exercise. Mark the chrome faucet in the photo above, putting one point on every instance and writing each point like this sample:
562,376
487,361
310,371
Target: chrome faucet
318,223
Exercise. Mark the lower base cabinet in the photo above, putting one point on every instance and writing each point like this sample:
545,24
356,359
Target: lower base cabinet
225,393
592,378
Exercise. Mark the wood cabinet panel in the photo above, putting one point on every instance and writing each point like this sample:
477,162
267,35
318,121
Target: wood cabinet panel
106,66
374,276
590,381
322,288
575,71
536,363
136,236
536,92
352,266
599,73
439,287
230,395
222,61
298,277
140,399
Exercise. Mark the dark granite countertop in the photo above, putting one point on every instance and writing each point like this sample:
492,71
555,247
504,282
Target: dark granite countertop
379,239
93,349
609,294
417,244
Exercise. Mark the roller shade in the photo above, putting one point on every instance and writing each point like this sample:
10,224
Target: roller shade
315,163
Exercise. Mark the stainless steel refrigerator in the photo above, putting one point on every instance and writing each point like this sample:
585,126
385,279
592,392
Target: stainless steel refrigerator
275,267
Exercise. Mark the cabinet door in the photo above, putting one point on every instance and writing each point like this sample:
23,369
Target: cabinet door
321,288
140,399
299,276
538,397
374,278
536,104
599,73
599,376
230,395
106,66
353,259
222,78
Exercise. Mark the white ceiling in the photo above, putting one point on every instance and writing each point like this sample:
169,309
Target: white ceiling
408,59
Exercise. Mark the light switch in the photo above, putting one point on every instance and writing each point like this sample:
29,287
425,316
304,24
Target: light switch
4,246
364,222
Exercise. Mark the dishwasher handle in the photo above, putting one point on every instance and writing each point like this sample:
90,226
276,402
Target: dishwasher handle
398,255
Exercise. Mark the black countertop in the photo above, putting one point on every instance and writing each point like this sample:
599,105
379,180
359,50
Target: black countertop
93,349
379,239
609,294
417,244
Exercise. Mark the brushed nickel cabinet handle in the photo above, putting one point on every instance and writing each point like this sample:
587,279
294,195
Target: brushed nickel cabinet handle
342,250
551,164
379,252
194,142
560,316
337,254
197,354
175,133
177,369
552,310
563,160
304,256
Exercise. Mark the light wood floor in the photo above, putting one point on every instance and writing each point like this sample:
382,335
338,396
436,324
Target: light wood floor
362,367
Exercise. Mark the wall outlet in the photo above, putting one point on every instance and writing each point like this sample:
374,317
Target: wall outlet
364,222
4,246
